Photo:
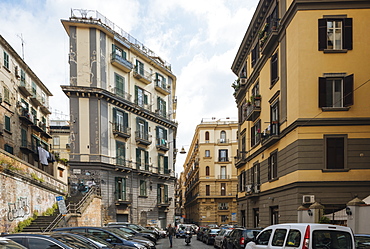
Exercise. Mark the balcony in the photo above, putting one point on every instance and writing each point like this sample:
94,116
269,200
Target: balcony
38,127
120,93
143,138
119,130
36,99
223,208
162,144
25,89
163,202
269,35
142,166
161,113
26,116
45,132
271,136
223,141
223,160
124,199
121,63
253,109
162,87
225,177
45,108
142,75
27,147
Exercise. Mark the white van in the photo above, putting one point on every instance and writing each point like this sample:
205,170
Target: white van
304,236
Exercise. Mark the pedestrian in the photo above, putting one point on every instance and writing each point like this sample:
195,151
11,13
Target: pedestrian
170,233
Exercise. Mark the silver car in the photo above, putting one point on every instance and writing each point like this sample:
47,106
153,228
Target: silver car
219,239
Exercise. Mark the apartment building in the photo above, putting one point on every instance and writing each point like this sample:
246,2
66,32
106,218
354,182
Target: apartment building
304,117
123,128
24,105
210,174
180,198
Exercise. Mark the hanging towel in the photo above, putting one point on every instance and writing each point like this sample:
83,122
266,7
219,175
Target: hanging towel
43,156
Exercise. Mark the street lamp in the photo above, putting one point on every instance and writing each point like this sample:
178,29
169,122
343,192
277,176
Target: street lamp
182,151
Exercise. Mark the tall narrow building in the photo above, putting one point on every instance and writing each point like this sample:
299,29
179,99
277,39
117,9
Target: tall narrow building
304,117
210,174
123,129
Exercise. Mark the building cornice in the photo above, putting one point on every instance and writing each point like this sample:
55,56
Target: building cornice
87,92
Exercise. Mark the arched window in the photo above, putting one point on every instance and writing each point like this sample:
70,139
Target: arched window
223,137
207,136
207,171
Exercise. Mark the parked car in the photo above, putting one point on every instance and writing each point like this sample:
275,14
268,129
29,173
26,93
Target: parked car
362,241
6,243
209,236
239,237
147,236
158,230
304,235
201,232
41,241
219,239
109,234
136,227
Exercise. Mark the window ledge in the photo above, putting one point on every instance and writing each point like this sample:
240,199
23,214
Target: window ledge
334,170
7,69
143,196
274,179
7,131
333,51
273,82
334,109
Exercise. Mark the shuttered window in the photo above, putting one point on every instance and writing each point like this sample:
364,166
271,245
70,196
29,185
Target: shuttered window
274,68
335,34
335,152
336,92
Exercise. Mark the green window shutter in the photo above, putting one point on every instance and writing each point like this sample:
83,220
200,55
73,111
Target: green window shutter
138,158
156,77
159,163
117,190
7,123
166,165
166,193
125,119
157,134
146,160
164,108
124,54
158,103
145,99
123,188
165,134
159,193
115,117
146,128
24,137
136,95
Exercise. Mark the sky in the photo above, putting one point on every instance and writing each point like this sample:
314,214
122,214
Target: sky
199,38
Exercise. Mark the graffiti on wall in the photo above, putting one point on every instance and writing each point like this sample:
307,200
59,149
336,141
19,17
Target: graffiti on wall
18,209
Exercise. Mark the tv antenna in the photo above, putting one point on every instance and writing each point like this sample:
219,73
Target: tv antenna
22,40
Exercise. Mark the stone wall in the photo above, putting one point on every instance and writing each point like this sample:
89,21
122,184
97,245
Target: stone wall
91,216
24,189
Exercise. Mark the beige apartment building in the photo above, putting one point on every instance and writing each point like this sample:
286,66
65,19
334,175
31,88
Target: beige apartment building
304,121
210,174
123,128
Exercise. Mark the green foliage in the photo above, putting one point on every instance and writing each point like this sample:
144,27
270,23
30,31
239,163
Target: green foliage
34,176
324,220
23,224
50,211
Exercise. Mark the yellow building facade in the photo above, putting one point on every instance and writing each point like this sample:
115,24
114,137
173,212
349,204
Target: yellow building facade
304,120
210,174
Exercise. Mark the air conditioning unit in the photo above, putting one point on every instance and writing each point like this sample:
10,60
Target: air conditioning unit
308,199
256,189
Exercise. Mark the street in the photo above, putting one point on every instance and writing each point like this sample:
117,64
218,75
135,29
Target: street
180,243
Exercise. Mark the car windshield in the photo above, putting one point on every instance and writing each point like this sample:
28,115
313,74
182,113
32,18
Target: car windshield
323,239
94,238
119,232
72,241
10,244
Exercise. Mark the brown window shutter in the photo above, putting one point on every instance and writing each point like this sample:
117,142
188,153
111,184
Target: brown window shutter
322,92
348,90
322,34
274,68
347,34
269,168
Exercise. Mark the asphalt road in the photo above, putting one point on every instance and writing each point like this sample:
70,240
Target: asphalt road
180,243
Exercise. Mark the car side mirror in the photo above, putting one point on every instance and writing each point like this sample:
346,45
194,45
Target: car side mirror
109,240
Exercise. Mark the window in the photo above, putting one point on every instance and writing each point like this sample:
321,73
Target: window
264,237
142,159
120,153
274,215
223,188
207,136
243,73
43,98
279,237
223,137
223,205
143,188
163,164
142,130
207,170
335,34
160,81
141,98
255,54
162,193
208,190
139,67
119,85
256,133
119,52
56,141
256,177
333,239
120,121
223,174
243,148
24,142
6,60
6,95
161,136
294,238
207,153
60,171
33,116
161,107
272,166
8,148
336,91
274,118
223,155
34,89
256,217
335,152
224,218
23,77
274,68
7,123
120,185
